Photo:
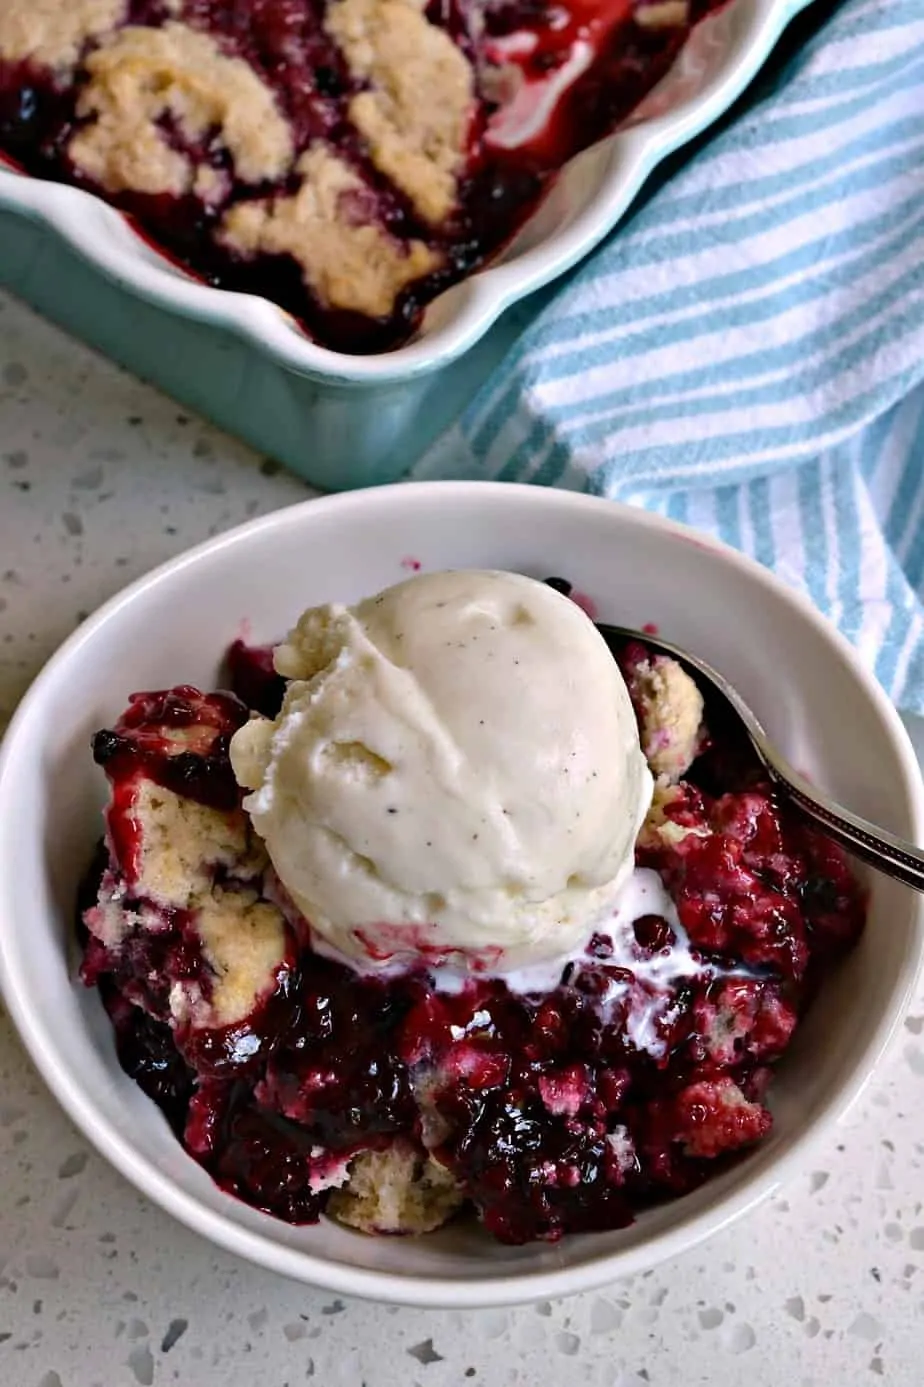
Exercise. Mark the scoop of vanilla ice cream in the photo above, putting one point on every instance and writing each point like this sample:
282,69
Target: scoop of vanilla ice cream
455,773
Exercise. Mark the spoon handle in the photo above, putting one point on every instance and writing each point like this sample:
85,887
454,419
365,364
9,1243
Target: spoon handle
889,854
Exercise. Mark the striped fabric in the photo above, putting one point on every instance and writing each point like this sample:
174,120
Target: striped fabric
747,352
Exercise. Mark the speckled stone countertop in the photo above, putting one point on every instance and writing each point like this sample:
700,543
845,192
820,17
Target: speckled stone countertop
100,479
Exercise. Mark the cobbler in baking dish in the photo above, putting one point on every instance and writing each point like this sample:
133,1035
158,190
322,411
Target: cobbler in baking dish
348,159
394,1093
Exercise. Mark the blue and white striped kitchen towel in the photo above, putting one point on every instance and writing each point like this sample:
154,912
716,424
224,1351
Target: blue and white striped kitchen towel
747,352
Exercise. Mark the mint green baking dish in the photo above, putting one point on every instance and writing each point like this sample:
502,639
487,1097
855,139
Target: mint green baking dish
337,436
338,421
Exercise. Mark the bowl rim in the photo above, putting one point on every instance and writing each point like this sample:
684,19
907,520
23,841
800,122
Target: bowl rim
36,1031
102,236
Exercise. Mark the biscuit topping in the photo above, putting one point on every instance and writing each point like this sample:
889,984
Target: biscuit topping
350,262
51,33
140,79
415,114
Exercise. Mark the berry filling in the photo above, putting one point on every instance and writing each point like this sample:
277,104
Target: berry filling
393,1101
348,159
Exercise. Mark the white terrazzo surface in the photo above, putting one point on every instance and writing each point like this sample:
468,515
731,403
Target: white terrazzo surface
100,479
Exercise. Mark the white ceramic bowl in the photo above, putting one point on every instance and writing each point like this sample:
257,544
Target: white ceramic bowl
592,193
172,626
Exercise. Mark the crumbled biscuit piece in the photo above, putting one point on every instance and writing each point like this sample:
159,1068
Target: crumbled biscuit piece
670,711
314,642
195,737
182,842
52,33
250,751
398,1190
347,260
659,829
662,14
110,920
141,75
713,1117
211,185
417,112
244,943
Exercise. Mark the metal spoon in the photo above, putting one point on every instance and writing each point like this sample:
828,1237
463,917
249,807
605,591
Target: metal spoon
881,849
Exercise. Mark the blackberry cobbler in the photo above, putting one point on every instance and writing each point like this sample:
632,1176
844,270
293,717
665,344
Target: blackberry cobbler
348,159
393,1099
